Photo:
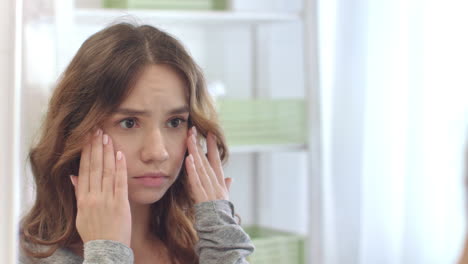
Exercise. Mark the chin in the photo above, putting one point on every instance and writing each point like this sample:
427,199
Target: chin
148,196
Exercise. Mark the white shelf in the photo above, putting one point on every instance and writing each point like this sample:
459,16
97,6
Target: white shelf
268,148
106,16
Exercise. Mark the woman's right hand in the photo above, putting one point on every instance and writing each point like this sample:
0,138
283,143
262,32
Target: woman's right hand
102,193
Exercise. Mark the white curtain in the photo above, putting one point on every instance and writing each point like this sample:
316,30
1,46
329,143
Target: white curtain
394,94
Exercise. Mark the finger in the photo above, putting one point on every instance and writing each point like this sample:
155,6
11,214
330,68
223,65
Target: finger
209,173
193,149
121,183
228,182
95,177
108,175
197,191
204,161
189,132
202,174
83,179
214,158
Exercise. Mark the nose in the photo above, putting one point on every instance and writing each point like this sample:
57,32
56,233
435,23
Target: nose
153,147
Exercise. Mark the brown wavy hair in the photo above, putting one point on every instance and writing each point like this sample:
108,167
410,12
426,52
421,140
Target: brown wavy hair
94,84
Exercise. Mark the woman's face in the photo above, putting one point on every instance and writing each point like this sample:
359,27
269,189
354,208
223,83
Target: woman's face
150,128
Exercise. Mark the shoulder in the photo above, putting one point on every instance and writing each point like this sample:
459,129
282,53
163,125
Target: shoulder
61,255
96,251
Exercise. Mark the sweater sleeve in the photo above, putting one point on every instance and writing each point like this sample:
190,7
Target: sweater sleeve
221,239
107,252
95,252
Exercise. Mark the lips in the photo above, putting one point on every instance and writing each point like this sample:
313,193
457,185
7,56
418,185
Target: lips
151,179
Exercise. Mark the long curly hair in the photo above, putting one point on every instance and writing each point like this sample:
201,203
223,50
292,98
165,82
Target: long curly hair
94,84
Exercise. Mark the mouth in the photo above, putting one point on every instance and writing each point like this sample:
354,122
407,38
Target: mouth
151,179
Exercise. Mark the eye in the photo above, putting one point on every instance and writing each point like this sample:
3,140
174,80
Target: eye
128,123
175,122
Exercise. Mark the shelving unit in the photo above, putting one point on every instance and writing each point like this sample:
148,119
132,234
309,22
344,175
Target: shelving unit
259,158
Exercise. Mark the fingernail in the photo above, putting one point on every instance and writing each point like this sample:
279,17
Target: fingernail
119,155
194,139
98,132
194,130
191,158
71,179
105,139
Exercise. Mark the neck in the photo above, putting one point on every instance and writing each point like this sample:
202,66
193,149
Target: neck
141,233
145,245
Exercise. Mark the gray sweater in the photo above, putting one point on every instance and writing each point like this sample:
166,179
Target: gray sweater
222,241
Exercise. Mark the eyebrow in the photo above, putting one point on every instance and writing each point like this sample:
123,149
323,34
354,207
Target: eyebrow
135,112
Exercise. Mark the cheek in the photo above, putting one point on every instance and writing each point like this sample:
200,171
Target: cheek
127,146
121,144
177,145
120,141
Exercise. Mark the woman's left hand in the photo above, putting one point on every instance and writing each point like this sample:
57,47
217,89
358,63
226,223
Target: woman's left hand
205,175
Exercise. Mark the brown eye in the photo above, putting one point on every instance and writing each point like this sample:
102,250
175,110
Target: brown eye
128,123
175,122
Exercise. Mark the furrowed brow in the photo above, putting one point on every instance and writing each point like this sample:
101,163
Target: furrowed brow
135,112
180,110
131,112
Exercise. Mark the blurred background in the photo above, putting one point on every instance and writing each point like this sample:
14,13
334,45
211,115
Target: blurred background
347,120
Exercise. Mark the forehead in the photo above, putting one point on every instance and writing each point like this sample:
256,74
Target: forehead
158,85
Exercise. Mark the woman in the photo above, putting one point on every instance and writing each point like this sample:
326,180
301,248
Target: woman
120,173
